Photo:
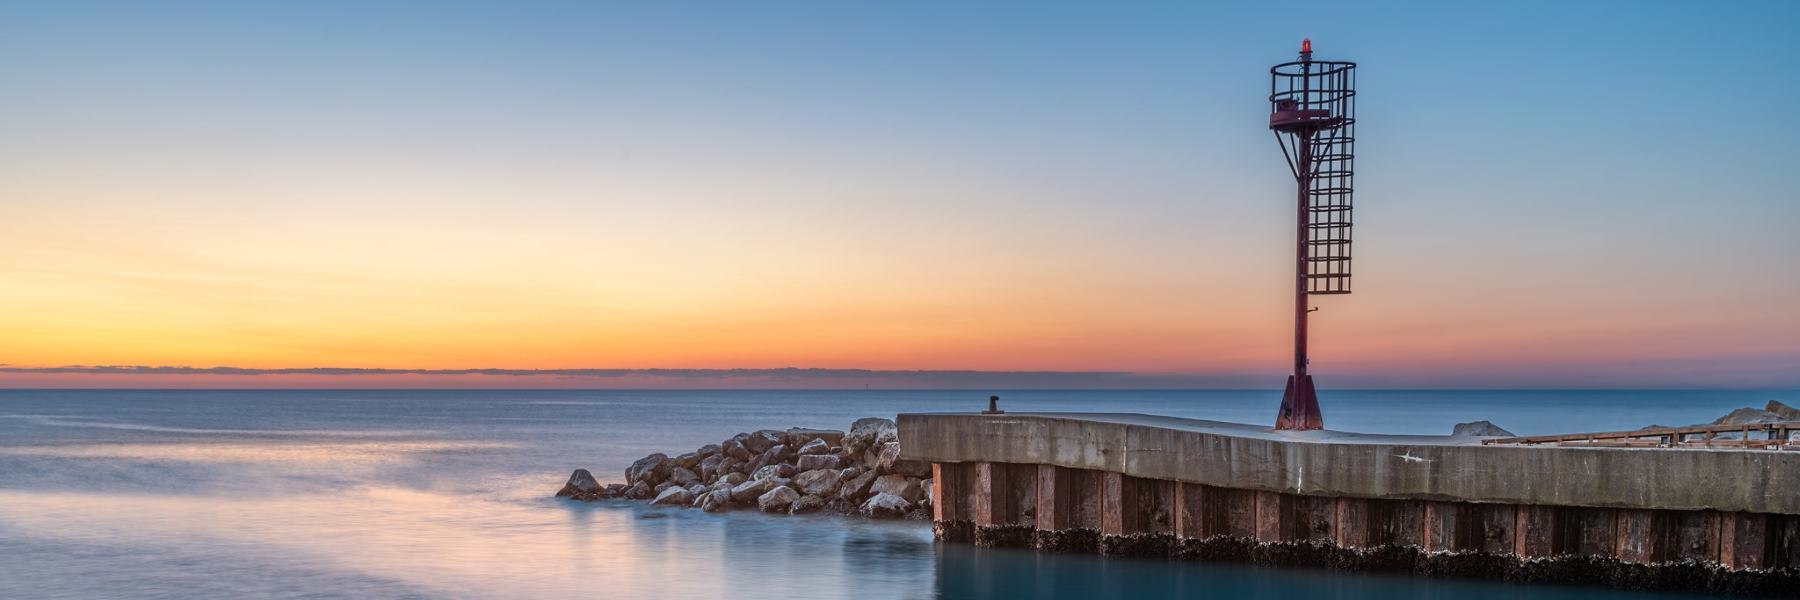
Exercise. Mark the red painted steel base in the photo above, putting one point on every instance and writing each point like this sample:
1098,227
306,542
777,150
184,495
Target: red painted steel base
1299,406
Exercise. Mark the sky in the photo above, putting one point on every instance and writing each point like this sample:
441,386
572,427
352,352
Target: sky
1549,194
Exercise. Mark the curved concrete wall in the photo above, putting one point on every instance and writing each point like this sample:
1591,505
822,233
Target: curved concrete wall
1358,466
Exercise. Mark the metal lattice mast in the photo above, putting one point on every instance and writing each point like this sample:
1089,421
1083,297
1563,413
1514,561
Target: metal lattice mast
1312,110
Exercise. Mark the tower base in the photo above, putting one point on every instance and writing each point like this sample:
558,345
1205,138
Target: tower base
1299,406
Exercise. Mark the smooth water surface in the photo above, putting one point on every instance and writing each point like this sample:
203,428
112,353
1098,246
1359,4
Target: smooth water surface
445,494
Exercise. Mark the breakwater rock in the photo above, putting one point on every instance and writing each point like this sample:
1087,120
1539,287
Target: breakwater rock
792,471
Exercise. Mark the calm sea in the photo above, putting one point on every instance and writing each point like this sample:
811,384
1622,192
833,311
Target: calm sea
446,494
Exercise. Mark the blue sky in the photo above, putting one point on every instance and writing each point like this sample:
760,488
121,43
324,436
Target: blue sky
1534,178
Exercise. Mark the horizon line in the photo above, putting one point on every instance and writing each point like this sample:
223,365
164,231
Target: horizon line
120,377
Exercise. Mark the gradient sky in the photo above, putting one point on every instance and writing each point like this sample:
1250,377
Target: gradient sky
1547,194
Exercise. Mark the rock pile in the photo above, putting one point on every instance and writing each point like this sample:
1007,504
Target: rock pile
793,471
1774,412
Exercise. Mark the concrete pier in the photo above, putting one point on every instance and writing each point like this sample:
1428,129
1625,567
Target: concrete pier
1720,520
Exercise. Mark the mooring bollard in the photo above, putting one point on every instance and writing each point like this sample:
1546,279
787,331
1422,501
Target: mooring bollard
993,406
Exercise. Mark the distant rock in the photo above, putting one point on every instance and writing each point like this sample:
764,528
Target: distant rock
777,499
1787,413
1479,429
582,486
885,506
1748,416
678,496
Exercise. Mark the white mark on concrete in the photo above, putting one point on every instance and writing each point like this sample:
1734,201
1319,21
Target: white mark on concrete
1408,457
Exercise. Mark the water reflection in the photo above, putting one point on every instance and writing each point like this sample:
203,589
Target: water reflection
965,572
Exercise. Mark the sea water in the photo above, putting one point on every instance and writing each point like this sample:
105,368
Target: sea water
446,494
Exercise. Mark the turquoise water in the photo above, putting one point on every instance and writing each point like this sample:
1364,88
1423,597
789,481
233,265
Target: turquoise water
445,494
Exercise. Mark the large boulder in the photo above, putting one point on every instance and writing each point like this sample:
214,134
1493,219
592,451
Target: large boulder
777,500
899,485
807,504
716,501
808,462
698,489
1479,429
639,491
928,485
734,448
761,441
708,450
652,469
683,477
581,486
782,470
614,490
822,482
1787,413
777,454
689,461
678,496
750,490
709,467
800,436
885,506
729,464
885,457
814,447
732,479
855,489
869,431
